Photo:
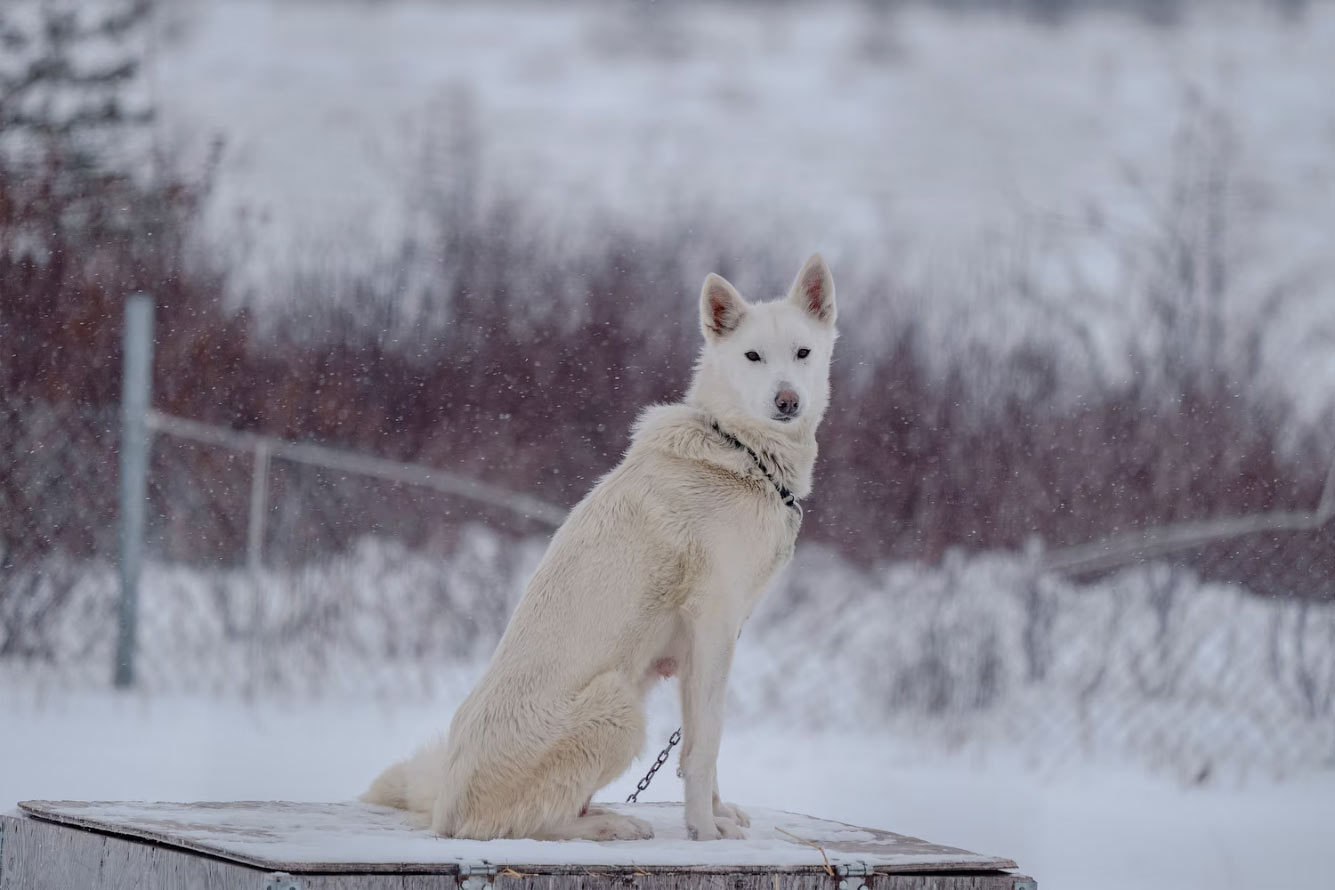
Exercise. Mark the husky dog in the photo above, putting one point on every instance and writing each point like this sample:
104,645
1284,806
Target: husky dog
651,575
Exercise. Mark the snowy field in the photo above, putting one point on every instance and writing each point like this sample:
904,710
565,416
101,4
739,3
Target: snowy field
833,123
1098,827
932,148
898,697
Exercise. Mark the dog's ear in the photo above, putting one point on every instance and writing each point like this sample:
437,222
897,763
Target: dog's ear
813,290
721,307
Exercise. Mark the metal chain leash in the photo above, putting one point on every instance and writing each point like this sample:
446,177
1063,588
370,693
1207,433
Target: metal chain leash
658,764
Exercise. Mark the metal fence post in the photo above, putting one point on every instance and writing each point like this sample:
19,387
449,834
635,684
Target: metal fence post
259,496
135,398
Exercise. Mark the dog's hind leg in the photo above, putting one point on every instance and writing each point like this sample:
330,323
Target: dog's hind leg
606,732
598,731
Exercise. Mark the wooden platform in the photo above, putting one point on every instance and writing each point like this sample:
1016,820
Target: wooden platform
273,845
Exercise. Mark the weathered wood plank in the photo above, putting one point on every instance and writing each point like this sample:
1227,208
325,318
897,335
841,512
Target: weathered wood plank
43,856
350,837
818,880
677,881
39,855
952,882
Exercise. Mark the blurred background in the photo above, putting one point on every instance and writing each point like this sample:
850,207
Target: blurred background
416,266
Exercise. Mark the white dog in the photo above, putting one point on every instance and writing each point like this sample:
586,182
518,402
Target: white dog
651,575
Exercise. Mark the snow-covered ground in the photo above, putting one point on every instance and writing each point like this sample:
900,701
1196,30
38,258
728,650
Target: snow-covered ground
833,122
1094,826
1149,730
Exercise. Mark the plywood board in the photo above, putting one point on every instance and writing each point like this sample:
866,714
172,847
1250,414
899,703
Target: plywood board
364,839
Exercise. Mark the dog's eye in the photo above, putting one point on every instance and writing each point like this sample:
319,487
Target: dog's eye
803,352
753,356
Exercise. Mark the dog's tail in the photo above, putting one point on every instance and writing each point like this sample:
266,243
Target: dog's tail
390,788
410,784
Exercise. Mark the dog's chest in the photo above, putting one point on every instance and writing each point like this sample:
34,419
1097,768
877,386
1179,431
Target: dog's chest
773,538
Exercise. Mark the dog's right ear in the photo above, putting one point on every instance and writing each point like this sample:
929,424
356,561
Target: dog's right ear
721,307
814,290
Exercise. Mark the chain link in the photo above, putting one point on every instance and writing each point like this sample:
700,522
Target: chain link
658,764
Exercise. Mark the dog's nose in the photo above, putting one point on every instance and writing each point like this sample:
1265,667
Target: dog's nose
786,402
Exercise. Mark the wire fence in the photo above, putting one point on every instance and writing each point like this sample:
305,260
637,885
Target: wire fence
1152,662
263,557
293,567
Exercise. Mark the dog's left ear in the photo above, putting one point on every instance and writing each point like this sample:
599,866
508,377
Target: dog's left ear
814,290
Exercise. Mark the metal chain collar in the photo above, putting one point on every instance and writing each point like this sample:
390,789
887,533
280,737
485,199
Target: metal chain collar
658,764
788,498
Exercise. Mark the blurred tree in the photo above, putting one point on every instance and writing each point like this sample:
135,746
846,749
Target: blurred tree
70,79
87,215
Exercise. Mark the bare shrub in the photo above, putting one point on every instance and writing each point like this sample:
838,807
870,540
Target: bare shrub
33,601
484,349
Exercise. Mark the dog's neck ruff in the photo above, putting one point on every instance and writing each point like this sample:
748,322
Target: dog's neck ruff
788,498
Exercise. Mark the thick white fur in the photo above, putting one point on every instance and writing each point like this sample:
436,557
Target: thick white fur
653,573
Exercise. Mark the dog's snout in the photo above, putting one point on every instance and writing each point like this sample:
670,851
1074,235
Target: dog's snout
786,402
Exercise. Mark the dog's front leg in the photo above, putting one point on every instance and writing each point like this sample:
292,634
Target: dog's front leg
725,810
704,686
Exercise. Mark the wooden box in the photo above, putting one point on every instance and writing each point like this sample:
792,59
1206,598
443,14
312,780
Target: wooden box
277,845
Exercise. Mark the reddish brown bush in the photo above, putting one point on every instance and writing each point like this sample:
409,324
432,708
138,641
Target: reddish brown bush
912,462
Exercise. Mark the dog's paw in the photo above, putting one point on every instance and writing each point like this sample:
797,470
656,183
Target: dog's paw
728,828
717,828
733,812
615,827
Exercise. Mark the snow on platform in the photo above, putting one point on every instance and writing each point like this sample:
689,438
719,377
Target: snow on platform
347,838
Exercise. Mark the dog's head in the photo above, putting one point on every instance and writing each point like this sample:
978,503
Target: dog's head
769,361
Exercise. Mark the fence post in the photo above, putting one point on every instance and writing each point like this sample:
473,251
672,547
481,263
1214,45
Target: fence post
259,496
135,397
